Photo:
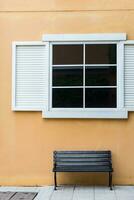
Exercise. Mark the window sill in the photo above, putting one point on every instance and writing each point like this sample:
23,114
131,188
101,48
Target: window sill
118,114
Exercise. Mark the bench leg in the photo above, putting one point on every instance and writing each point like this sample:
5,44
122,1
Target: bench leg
55,181
110,180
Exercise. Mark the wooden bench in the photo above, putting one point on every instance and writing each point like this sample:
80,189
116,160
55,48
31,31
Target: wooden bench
82,161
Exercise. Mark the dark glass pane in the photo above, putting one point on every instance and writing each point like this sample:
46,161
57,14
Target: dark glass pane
100,98
67,76
100,54
67,54
67,98
101,76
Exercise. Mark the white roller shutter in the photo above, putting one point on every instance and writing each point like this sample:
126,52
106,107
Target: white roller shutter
30,75
129,75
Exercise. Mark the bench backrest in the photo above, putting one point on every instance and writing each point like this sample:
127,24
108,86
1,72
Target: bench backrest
82,159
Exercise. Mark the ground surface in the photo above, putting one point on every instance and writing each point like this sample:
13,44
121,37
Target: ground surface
69,193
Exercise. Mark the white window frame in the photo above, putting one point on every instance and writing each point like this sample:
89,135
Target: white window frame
120,111
118,76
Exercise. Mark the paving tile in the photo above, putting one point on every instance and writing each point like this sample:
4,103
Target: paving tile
63,193
83,193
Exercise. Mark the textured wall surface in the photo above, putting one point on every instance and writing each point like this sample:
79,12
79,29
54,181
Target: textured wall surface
26,140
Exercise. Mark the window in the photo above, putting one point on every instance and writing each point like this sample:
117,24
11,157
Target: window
84,75
74,76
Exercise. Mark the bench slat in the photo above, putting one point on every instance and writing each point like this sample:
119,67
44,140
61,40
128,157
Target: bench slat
82,164
84,169
82,156
69,160
83,152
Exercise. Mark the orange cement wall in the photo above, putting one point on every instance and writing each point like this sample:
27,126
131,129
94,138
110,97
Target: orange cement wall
26,140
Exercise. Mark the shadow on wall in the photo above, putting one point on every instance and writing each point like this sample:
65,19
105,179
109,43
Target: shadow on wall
82,178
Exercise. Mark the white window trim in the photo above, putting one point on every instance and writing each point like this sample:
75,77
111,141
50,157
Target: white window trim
117,114
84,37
119,77
120,111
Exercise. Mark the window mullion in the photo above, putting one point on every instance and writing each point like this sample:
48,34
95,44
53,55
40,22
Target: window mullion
84,75
99,65
51,74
